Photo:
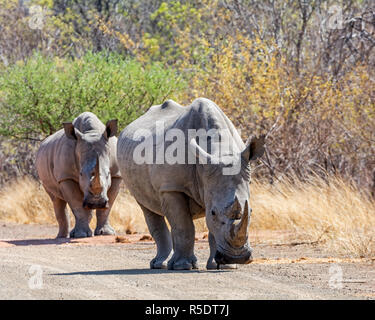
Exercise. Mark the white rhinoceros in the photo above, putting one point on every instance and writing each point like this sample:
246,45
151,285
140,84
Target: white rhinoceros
77,165
184,190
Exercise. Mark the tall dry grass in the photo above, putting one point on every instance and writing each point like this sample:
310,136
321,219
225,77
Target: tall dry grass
25,201
334,213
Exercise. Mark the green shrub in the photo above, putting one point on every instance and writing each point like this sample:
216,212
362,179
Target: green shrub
38,95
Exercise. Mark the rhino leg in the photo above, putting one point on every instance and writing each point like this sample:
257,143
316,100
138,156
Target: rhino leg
62,216
159,231
73,195
176,209
211,264
102,224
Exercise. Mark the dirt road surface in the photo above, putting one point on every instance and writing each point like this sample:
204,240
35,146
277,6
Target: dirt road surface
35,266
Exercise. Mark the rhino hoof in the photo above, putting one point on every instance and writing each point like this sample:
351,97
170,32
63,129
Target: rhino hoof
183,264
106,230
158,264
214,266
78,233
62,235
211,266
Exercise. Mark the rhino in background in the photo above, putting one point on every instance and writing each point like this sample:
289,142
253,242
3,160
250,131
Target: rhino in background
77,165
183,192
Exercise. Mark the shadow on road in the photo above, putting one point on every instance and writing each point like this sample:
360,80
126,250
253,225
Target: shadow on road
36,242
134,272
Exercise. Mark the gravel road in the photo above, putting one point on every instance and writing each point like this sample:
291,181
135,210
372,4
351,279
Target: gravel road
35,266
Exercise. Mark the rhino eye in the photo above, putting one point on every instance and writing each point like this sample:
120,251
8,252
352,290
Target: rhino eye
213,212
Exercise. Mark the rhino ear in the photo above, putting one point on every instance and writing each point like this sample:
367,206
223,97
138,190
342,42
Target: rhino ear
110,128
70,131
254,148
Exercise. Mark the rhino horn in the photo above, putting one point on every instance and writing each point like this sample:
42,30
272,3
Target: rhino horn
236,205
239,230
96,185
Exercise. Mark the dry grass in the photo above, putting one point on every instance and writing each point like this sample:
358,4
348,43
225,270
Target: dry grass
333,213
25,201
336,214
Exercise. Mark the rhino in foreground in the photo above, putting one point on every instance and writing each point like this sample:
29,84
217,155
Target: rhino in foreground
77,165
183,190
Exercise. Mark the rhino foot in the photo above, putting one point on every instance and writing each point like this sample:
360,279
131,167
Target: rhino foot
105,230
62,235
80,233
214,266
183,264
157,263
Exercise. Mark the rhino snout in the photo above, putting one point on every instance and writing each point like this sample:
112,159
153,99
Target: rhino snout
222,258
92,203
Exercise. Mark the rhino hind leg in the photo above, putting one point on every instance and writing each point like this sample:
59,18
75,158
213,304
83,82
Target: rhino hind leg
73,195
211,263
160,232
102,226
62,215
176,209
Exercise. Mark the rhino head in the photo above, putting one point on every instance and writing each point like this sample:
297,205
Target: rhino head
226,201
92,154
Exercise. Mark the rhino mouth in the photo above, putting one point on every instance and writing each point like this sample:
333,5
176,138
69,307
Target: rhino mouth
222,258
231,255
103,204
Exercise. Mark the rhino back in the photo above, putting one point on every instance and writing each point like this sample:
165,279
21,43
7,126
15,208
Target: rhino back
138,177
147,181
205,114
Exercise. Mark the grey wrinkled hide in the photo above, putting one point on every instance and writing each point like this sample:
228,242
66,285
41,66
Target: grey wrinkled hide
183,192
77,165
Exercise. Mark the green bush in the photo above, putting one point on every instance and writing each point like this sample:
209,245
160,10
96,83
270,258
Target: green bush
38,95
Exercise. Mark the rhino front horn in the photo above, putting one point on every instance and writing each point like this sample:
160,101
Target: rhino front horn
239,230
96,186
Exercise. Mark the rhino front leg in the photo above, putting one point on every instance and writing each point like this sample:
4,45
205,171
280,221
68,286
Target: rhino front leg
159,231
74,196
62,215
211,264
176,209
102,224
